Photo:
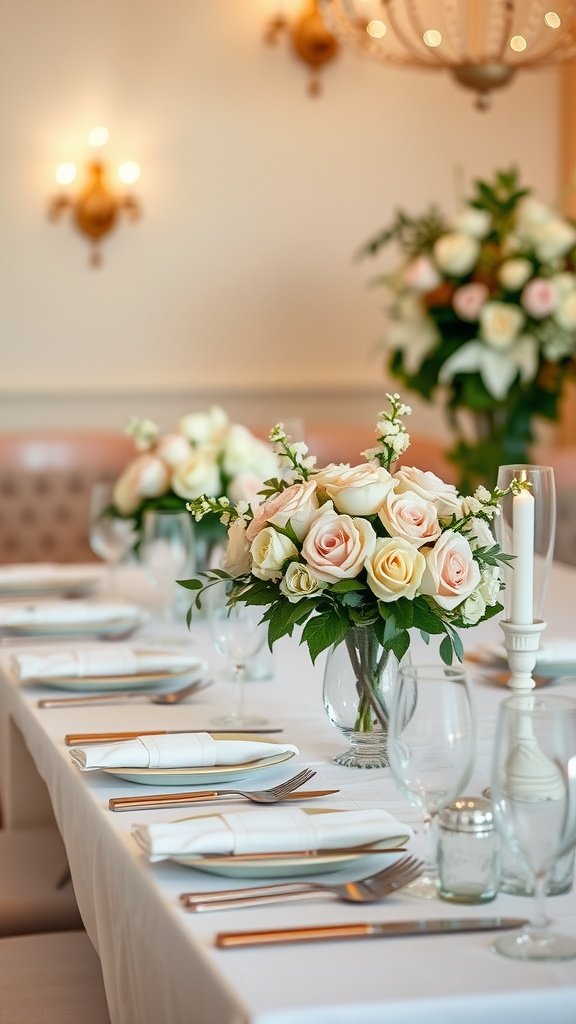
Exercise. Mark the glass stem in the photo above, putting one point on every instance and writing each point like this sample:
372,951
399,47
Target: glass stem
430,846
538,917
239,673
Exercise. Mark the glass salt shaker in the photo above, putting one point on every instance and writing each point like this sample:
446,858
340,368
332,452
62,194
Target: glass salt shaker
468,854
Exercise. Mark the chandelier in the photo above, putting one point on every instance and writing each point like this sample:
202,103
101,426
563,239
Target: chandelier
481,42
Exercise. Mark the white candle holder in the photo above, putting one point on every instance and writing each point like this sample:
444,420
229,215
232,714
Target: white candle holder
522,644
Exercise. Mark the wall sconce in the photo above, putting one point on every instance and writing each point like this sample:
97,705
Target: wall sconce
309,38
96,207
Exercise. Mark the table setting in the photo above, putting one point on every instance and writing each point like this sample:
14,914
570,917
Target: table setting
174,872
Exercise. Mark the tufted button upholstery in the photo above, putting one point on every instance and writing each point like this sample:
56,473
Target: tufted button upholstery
45,484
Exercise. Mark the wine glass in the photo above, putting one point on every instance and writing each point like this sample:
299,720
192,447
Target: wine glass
431,747
110,536
543,491
534,797
167,552
236,636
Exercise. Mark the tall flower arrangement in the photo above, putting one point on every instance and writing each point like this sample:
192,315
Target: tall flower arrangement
336,548
484,308
205,454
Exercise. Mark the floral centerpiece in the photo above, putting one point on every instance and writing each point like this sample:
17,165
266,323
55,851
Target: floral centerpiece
205,454
485,306
361,556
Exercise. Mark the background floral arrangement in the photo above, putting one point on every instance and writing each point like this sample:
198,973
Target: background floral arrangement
205,454
486,307
341,547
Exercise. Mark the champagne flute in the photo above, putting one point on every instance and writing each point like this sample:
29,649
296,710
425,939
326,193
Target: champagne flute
431,748
167,551
534,797
111,537
236,636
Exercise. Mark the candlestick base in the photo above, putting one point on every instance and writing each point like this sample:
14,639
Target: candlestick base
522,643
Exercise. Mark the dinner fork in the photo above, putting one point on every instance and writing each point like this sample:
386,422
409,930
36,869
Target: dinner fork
366,890
172,697
257,796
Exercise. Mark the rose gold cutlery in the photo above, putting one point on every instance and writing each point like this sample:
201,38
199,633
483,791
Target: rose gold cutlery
262,796
172,697
366,890
73,739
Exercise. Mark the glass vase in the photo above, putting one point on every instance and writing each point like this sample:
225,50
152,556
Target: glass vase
359,682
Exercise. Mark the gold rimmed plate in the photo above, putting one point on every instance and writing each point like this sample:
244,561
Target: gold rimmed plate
199,776
107,628
135,681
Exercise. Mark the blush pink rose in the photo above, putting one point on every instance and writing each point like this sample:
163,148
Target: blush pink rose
421,275
336,546
451,574
410,516
539,298
237,558
298,503
469,299
173,449
146,477
429,486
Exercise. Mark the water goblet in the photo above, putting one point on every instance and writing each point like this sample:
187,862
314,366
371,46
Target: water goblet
167,551
236,636
111,537
431,748
533,793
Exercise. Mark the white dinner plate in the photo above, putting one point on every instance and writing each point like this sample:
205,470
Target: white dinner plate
48,588
311,864
106,628
198,776
136,681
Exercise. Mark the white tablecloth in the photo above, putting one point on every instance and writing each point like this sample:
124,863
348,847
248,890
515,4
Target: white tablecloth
160,964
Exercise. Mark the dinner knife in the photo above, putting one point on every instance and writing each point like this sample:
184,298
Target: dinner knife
365,930
150,803
72,739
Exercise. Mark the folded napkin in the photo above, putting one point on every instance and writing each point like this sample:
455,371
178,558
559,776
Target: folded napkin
184,750
42,613
101,660
46,572
270,830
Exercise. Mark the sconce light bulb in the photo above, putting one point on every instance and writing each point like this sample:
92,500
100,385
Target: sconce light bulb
98,137
129,172
65,174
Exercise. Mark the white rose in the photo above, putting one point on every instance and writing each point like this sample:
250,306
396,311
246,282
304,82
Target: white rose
513,274
552,239
421,275
451,573
237,559
411,331
564,283
410,516
473,608
173,449
337,545
456,253
242,452
146,477
204,427
198,475
429,486
565,315
299,581
473,222
269,551
490,583
500,323
531,212
394,569
356,490
479,534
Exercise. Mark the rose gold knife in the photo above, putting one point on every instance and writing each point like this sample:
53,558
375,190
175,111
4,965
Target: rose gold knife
72,739
150,803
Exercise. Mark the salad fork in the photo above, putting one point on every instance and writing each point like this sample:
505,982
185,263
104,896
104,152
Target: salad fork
366,890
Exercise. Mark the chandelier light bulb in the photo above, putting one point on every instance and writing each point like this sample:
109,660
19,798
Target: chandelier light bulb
98,137
376,28
65,174
129,172
552,19
518,44
432,37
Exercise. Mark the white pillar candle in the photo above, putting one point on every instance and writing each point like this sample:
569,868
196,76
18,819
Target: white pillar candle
522,576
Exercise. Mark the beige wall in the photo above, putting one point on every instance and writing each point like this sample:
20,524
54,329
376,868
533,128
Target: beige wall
239,283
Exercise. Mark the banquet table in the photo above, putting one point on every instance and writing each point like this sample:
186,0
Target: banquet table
160,963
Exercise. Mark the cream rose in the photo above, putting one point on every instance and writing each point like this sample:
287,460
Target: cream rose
451,573
205,427
299,581
490,583
429,486
473,222
269,551
565,315
513,274
500,323
237,558
242,452
336,546
198,475
173,449
297,504
469,299
456,253
552,239
394,569
356,490
410,516
146,477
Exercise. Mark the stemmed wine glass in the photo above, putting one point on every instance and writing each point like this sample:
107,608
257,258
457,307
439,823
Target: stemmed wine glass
167,551
111,537
431,747
534,797
237,636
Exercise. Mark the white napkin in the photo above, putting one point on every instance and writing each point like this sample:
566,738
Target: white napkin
36,613
269,830
184,750
102,660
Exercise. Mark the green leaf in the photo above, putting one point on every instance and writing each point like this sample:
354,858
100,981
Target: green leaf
446,651
344,586
321,631
425,619
404,613
191,584
399,644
